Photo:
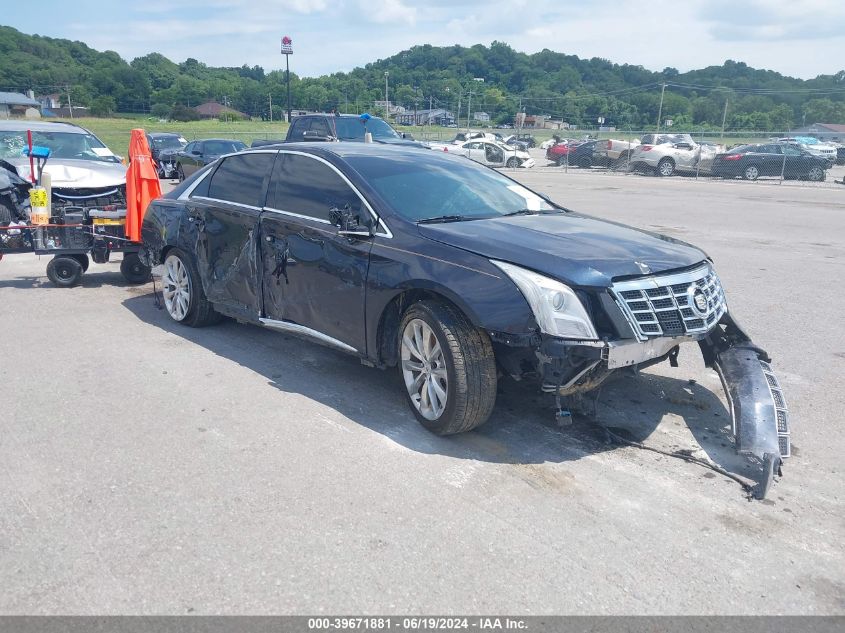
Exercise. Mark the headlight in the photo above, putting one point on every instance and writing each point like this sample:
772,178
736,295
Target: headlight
556,307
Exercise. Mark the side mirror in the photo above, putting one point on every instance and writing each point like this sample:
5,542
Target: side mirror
196,152
348,223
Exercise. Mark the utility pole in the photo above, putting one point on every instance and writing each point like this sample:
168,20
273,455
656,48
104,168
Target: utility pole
458,117
469,108
660,111
270,94
416,99
724,118
430,110
69,104
520,120
386,102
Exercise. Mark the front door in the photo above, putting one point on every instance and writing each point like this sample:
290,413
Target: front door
493,155
314,277
227,220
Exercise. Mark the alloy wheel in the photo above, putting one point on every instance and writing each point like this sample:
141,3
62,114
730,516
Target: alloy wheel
751,172
176,284
424,369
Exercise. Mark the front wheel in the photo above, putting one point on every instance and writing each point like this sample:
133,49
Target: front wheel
816,174
184,298
513,162
180,173
448,368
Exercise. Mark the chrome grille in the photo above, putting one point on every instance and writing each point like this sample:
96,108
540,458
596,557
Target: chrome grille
781,411
661,305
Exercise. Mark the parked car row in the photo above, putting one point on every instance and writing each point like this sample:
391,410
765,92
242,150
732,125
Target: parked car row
669,154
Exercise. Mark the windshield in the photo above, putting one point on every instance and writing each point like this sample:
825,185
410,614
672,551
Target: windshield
423,187
169,142
61,144
353,129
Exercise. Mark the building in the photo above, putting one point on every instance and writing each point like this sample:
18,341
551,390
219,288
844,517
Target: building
213,110
822,131
393,108
13,104
437,116
481,117
536,121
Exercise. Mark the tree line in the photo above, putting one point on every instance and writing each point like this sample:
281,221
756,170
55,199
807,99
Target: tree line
496,79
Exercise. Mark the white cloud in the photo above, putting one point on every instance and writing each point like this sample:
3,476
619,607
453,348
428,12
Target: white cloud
388,11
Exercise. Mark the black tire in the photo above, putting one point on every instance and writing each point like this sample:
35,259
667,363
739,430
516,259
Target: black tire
180,173
513,162
562,160
816,174
470,368
666,167
64,272
83,261
134,270
200,312
752,172
585,163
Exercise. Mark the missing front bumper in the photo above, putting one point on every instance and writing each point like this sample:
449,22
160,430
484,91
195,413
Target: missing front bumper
759,414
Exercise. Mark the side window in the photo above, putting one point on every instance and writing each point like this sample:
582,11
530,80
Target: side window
298,127
307,186
321,127
791,150
190,147
240,179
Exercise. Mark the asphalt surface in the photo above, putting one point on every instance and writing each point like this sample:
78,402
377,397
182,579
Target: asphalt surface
148,468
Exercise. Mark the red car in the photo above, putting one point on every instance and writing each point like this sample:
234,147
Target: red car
559,153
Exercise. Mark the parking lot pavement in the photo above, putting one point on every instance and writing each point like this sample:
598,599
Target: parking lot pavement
150,468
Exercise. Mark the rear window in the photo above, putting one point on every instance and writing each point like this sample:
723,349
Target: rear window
240,179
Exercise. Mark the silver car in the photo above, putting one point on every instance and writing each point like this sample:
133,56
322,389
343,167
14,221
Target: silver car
667,154
83,171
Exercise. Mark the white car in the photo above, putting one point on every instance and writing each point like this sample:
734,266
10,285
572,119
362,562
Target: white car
667,154
813,145
488,152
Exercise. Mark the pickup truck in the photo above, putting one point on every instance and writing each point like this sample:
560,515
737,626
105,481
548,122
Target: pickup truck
613,152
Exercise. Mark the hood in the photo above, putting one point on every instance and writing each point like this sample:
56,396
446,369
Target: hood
577,249
77,174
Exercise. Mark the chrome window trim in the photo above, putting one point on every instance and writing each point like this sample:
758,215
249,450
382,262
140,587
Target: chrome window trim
236,204
296,215
387,232
186,195
295,328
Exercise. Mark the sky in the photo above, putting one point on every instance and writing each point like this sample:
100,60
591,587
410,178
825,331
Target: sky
799,38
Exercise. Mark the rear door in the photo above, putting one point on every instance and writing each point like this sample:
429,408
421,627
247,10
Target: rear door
314,278
227,219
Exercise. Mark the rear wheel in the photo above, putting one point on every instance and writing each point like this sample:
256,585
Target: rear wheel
184,298
666,167
752,172
448,368
134,270
64,272
585,163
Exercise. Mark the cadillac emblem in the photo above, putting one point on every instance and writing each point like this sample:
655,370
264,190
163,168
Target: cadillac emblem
697,300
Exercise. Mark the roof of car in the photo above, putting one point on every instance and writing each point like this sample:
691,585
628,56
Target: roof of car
163,134
41,126
346,149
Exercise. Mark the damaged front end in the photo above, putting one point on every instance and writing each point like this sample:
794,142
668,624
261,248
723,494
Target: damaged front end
653,316
759,415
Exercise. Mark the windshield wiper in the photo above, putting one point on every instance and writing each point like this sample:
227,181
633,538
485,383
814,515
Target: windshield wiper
520,212
445,218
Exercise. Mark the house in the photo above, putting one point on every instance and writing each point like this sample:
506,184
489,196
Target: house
437,116
51,101
480,117
393,108
822,131
537,121
17,104
213,110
